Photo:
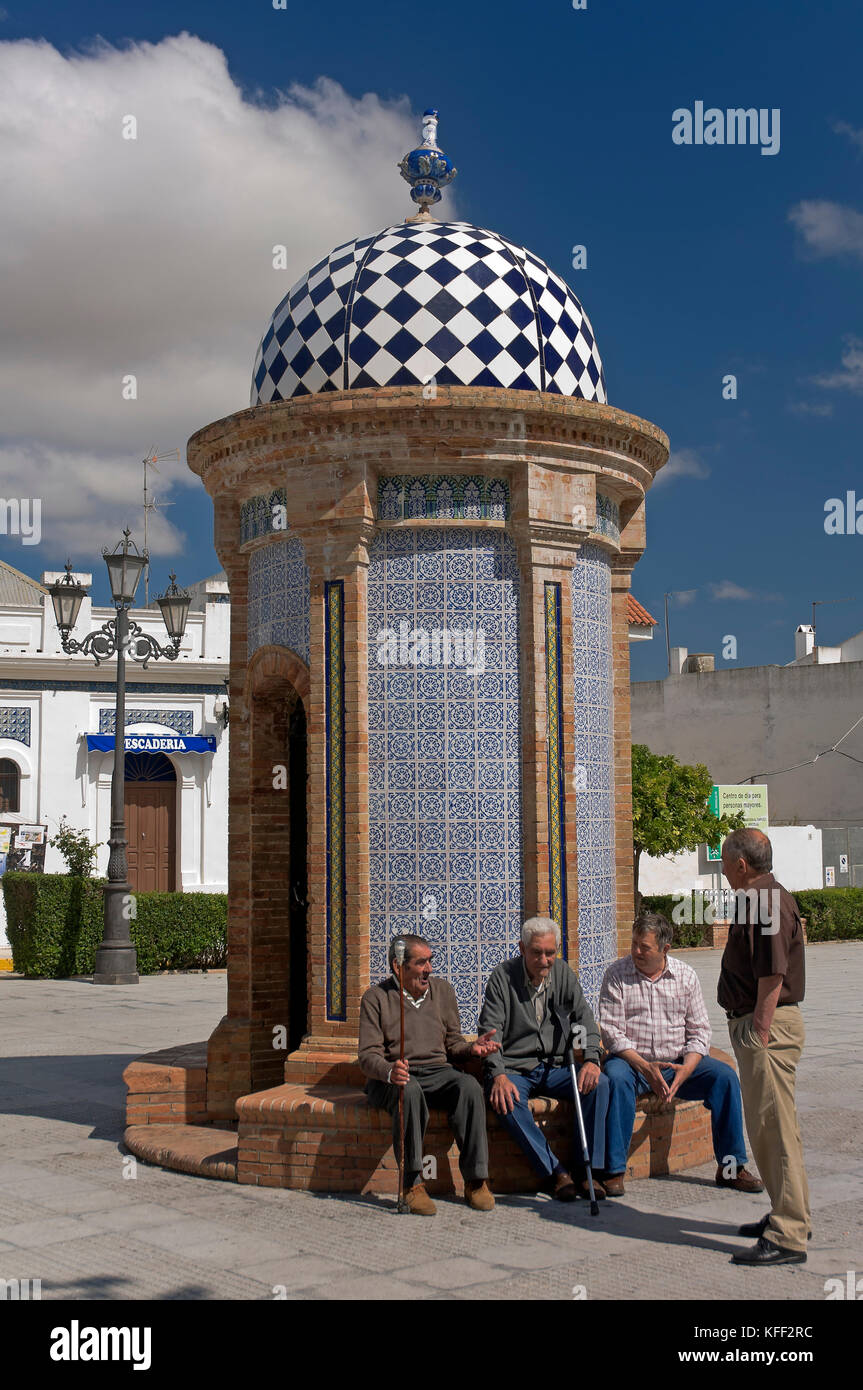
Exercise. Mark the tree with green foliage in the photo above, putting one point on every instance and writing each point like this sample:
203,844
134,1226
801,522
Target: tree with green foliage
75,847
669,807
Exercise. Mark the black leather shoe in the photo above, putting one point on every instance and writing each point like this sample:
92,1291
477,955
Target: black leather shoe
764,1252
757,1228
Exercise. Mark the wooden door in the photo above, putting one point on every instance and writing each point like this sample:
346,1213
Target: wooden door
151,829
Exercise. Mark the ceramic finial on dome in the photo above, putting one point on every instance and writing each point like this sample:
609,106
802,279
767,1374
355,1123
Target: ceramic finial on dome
427,169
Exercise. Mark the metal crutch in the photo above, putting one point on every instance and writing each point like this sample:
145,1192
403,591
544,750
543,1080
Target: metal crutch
576,1098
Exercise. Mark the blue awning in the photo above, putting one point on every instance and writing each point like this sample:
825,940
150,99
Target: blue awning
152,743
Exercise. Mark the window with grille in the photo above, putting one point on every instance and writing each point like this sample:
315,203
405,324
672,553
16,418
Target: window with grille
10,786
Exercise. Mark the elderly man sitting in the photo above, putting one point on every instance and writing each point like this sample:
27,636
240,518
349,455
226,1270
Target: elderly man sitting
432,1039
532,1001
654,1022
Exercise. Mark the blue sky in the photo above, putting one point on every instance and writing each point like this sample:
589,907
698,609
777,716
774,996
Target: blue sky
702,261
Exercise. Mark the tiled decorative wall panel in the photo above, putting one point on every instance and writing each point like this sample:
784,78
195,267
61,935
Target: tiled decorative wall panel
15,723
181,720
258,515
279,597
607,518
594,758
334,674
444,498
444,751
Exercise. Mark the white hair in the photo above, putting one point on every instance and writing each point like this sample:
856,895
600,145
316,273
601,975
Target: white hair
539,926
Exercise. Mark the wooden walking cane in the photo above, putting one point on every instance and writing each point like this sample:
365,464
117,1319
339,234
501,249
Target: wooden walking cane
399,957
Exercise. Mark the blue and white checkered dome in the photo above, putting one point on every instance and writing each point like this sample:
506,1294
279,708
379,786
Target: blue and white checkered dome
430,301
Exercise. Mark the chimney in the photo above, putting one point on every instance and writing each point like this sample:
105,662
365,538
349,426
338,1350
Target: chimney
804,641
678,660
699,662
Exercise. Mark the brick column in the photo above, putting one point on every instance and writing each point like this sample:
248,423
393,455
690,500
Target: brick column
545,502
338,932
229,1050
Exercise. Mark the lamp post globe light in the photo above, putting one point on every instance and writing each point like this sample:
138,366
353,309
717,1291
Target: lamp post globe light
116,958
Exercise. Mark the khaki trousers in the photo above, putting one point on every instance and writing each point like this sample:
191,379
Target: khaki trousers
767,1077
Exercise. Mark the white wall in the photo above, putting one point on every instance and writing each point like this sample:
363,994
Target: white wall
762,720
796,864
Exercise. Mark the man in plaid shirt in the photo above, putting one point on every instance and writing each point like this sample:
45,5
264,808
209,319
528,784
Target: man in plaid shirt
655,1026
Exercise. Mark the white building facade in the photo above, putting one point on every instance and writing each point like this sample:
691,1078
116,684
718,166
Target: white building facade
57,713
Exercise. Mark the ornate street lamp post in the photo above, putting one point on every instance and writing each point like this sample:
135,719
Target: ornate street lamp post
116,958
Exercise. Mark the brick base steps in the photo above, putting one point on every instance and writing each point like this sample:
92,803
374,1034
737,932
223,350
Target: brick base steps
325,1137
209,1153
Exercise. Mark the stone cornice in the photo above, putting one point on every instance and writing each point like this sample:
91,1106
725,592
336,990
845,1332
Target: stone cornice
396,428
60,668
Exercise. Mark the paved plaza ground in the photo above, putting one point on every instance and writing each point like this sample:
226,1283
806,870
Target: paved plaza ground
70,1218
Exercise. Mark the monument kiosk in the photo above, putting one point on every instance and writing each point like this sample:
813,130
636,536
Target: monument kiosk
429,517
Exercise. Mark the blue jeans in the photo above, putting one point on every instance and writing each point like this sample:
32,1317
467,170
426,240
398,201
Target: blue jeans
556,1082
713,1082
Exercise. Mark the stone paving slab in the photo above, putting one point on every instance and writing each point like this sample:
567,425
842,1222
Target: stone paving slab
69,1216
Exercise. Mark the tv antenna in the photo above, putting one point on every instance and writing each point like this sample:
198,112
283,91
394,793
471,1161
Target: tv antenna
150,505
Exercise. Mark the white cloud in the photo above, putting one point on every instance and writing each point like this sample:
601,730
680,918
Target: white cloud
682,463
728,589
154,257
843,128
811,408
684,597
829,229
851,377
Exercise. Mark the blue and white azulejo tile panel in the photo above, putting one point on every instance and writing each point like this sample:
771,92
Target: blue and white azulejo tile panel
442,497
261,515
15,723
447,303
181,720
445,751
279,597
594,756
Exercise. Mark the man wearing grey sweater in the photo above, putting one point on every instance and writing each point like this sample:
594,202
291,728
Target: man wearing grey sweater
531,1002
433,1039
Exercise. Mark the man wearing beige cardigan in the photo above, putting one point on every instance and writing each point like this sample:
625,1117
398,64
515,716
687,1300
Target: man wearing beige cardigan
433,1040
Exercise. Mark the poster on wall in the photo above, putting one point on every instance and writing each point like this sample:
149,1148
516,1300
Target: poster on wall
726,800
22,847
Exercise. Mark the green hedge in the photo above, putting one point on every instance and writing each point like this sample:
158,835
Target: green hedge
832,914
55,925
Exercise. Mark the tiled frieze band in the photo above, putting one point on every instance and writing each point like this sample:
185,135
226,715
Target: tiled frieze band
263,515
334,651
607,518
474,498
554,712
181,720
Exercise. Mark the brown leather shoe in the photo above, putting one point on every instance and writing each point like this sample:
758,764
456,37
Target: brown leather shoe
614,1185
584,1190
419,1202
478,1195
560,1186
744,1182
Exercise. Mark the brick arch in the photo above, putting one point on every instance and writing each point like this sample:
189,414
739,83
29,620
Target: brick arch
271,668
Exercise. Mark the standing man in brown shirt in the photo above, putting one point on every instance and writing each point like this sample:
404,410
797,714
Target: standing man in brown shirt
432,1038
761,984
